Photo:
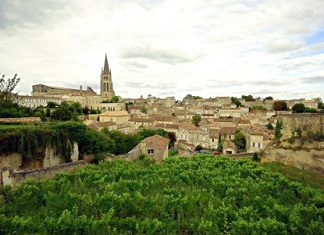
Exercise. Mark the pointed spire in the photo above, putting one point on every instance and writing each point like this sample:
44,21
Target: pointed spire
106,66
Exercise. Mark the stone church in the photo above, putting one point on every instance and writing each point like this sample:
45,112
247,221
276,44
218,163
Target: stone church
42,94
106,85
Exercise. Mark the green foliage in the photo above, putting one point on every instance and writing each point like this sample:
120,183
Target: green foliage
268,98
269,126
279,126
255,157
114,99
201,195
257,108
220,145
143,110
12,110
31,140
298,108
236,101
320,105
173,152
67,111
196,119
51,105
240,141
280,105
248,98
310,110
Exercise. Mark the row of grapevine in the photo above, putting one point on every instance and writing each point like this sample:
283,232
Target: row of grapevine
200,195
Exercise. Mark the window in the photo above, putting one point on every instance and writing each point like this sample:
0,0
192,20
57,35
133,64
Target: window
150,151
259,145
253,145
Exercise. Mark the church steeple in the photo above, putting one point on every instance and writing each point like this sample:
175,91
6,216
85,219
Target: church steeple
106,85
106,66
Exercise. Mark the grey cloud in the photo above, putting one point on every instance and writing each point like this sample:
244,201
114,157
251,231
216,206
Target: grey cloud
224,84
22,12
313,80
138,85
278,46
158,54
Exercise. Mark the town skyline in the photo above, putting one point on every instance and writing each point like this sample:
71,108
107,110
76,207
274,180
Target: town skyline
163,48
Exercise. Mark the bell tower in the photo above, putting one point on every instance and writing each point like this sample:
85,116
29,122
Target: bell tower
106,85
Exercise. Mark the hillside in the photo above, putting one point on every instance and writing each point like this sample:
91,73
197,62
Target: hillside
200,195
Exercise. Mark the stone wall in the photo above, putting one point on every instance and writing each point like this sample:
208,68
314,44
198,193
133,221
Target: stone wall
301,154
303,125
51,158
15,177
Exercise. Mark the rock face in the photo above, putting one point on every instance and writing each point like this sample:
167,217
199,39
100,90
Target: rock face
307,155
50,158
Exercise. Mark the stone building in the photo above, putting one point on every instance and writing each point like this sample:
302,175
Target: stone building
106,85
229,147
41,94
254,141
155,146
118,117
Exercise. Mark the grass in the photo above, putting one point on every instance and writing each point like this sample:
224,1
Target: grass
305,177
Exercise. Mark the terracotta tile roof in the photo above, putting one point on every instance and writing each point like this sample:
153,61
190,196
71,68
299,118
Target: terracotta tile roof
156,142
98,125
115,113
227,131
244,121
223,120
229,144
165,118
167,126
136,119
189,127
214,133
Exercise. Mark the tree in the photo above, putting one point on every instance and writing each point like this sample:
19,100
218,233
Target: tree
196,118
278,133
51,105
240,141
268,98
236,101
280,105
310,110
248,98
67,111
172,137
143,110
114,99
85,110
270,126
7,87
298,108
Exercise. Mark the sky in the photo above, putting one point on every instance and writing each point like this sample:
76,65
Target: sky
167,47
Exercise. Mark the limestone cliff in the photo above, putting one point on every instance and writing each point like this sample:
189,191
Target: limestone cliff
300,153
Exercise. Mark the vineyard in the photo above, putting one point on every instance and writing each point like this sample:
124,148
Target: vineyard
199,195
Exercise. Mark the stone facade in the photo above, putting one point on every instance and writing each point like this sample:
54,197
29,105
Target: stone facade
106,85
154,146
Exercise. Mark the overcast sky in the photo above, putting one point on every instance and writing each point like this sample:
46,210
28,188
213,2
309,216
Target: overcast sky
167,48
